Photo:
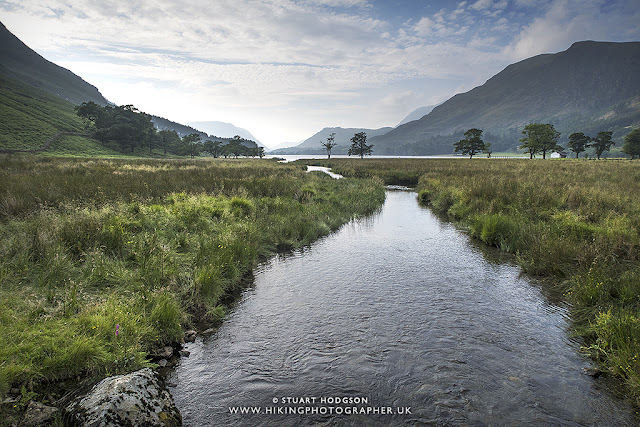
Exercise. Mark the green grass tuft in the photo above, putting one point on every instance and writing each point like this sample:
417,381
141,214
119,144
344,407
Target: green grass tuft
146,248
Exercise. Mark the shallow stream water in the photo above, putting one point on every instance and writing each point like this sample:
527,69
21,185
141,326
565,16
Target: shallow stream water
396,319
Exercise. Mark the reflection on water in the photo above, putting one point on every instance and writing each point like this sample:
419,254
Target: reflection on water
405,314
325,170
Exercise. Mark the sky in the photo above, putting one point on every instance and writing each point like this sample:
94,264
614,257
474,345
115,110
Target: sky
285,69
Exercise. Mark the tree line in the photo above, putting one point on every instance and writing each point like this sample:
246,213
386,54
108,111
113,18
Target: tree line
128,128
543,139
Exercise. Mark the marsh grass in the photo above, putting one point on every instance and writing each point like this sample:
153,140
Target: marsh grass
576,221
144,247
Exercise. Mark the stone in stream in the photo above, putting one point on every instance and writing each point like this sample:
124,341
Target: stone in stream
163,353
137,399
190,335
38,414
592,372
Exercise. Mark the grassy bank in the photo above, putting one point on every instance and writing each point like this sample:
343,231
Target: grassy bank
576,221
102,261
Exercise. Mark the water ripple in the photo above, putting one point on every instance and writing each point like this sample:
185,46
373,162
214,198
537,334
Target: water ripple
406,311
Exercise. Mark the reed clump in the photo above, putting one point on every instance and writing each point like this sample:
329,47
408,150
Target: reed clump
576,221
103,261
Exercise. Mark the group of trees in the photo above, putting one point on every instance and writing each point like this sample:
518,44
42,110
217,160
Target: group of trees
579,142
359,146
234,147
540,138
128,128
543,138
124,125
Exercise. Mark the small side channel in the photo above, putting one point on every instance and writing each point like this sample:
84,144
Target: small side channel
325,170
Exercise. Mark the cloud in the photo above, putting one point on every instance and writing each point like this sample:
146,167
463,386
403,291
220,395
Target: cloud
531,3
481,5
424,26
567,21
341,3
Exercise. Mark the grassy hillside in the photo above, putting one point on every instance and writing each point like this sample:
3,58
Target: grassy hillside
32,117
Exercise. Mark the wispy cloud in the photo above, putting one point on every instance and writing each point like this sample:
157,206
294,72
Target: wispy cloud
567,21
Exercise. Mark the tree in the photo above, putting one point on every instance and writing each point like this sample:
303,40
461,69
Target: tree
236,148
472,144
90,111
359,145
124,125
540,138
578,142
602,142
169,141
153,141
632,143
487,149
192,143
213,147
329,144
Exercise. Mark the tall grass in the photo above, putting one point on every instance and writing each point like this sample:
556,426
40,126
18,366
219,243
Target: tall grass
146,248
577,221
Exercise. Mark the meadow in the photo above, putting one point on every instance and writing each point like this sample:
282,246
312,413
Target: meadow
102,261
576,222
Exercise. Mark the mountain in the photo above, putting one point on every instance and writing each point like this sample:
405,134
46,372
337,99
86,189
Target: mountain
19,62
182,130
343,136
224,130
37,99
417,114
592,86
285,145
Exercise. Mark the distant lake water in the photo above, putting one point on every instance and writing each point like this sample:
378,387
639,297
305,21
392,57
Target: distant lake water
294,157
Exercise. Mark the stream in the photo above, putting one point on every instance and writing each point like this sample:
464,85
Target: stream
395,319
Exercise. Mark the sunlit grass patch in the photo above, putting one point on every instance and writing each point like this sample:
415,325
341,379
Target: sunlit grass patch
144,248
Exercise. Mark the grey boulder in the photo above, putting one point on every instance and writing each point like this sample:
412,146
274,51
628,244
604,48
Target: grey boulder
136,399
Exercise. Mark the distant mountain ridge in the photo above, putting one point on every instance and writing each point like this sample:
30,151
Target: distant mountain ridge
589,87
224,130
342,139
182,130
417,114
